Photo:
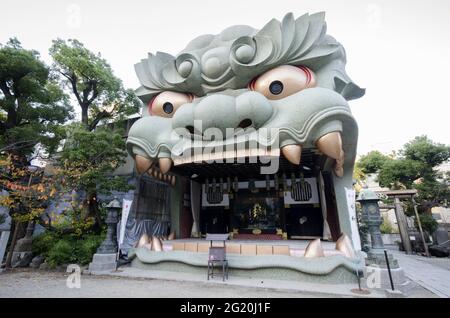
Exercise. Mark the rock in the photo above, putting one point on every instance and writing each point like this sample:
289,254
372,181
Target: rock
21,259
37,261
44,266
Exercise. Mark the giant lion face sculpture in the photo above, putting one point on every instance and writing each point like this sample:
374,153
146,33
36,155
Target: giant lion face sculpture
289,76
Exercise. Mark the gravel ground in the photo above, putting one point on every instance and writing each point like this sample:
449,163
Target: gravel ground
37,284
28,283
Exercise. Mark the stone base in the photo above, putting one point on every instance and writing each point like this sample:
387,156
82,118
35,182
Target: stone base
377,257
339,275
21,259
378,278
394,293
103,263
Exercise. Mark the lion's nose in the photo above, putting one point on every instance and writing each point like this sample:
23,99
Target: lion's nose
250,109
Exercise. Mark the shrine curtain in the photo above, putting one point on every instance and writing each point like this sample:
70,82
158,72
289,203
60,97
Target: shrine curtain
196,189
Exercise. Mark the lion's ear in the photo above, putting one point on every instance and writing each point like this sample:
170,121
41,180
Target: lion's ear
348,90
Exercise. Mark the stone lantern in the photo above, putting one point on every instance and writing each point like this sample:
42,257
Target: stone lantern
109,245
377,260
371,216
106,257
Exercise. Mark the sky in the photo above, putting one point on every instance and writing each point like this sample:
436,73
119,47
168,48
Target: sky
398,50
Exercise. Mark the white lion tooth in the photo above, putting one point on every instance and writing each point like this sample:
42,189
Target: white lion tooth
165,164
314,249
344,245
292,153
330,144
142,163
173,181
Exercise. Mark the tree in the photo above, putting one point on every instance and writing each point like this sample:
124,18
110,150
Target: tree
32,106
414,168
372,162
90,78
90,156
87,163
32,109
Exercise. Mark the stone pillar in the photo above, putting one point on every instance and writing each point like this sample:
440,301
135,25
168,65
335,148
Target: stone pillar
23,254
376,272
106,257
402,225
5,231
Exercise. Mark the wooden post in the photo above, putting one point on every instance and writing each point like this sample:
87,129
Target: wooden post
425,246
402,226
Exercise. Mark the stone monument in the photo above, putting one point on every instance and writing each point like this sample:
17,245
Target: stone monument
5,230
23,254
106,257
377,266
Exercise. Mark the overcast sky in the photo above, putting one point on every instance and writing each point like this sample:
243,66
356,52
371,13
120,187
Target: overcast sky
398,50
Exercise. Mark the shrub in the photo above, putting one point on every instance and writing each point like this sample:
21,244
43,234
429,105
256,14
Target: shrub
87,247
386,226
60,249
43,243
63,252
429,224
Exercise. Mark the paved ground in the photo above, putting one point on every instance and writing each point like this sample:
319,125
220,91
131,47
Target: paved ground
432,273
27,283
33,283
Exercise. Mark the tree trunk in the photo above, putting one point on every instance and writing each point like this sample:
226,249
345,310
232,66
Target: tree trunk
93,210
84,115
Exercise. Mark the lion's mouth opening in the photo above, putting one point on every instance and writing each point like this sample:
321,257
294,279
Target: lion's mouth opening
257,165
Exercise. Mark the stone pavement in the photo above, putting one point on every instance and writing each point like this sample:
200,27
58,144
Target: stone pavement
431,273
320,290
38,283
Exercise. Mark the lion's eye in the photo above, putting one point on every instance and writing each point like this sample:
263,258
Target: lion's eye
166,104
283,81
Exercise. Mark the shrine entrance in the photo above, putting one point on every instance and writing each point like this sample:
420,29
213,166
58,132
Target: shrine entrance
297,202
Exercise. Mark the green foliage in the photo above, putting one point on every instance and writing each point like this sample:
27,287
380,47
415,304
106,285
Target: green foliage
429,224
414,168
42,244
32,106
63,252
90,78
372,162
89,158
423,149
59,249
87,247
386,226
399,173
